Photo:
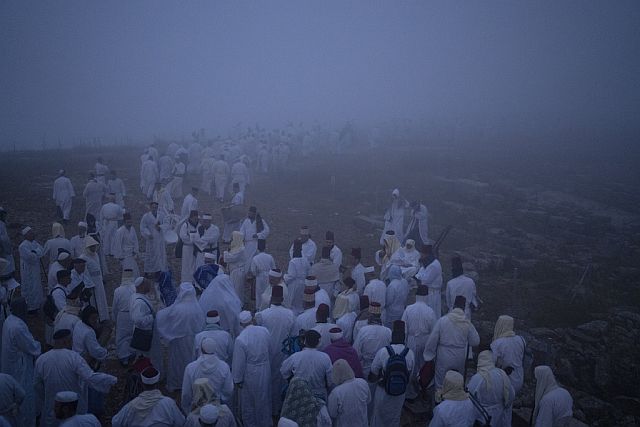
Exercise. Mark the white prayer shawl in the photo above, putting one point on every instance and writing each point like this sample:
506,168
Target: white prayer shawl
395,300
279,322
297,271
65,370
419,321
248,230
336,255
193,244
260,266
165,165
63,194
357,274
215,371
223,342
220,295
77,245
387,408
305,320
155,258
148,177
508,352
347,403
86,420
159,411
126,248
370,339
421,217
251,367
454,413
312,365
18,352
448,344
116,186
190,203
51,246
120,315
492,398
142,313
110,214
175,186
30,279
92,194
95,273
554,408
431,275
465,286
309,249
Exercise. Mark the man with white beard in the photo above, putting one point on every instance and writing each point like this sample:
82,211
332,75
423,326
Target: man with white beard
461,285
77,241
252,372
190,203
155,257
309,247
192,246
279,322
52,246
63,195
92,194
222,339
30,268
126,247
221,176
419,321
210,367
430,274
110,214
253,228
260,266
115,185
448,341
121,317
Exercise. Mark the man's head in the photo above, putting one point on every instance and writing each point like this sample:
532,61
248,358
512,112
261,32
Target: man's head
89,316
329,239
113,174
3,214
153,207
66,404
143,285
213,317
456,266
208,346
305,233
236,187
308,298
262,245
150,378
364,302
111,197
82,228
311,338
206,220
28,234
460,302
275,276
208,415
75,293
395,194
326,252
356,255
245,318
79,265
375,313
193,217
194,191
63,277
322,314
128,221
251,214
64,258
19,307
335,334
277,295
91,244
297,248
209,258
62,339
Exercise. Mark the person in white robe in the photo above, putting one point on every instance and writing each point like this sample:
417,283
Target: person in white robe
207,409
231,222
63,195
177,176
430,274
371,338
143,316
236,263
121,316
260,267
347,402
90,255
394,215
52,246
297,271
323,326
194,154
461,285
344,310
162,196
92,194
6,248
274,281
30,270
206,167
58,293
408,258
18,353
326,273
151,407
419,321
77,241
309,247
301,407
178,325
508,351
149,175
65,409
449,340
208,366
418,228
102,170
68,316
165,168
240,174
253,228
221,296
454,406
335,255
263,159
310,364
190,203
376,290
493,390
155,256
221,175
126,246
279,321
221,339
63,263
387,408
116,186
192,245
110,215
12,395
553,404
61,369
383,256
252,372
358,270
396,296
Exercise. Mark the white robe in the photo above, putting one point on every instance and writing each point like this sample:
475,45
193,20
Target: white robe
395,301
421,218
336,255
65,370
492,398
220,295
465,286
192,245
18,352
237,271
6,250
419,320
265,299
347,403
387,408
221,174
260,266
554,406
376,290
222,338
312,365
279,322
77,245
251,367
454,413
231,226
215,371
347,323
248,230
110,214
207,174
120,314
357,274
370,339
148,177
116,186
86,420
394,218
164,412
51,246
325,338
305,320
297,271
509,352
143,317
155,257
95,274
126,248
101,172
63,195
431,275
175,186
190,203
164,200
165,166
92,194
30,254
309,249
239,174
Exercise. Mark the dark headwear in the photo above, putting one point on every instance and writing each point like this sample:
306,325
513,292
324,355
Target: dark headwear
126,216
61,333
460,302
262,245
253,209
276,295
326,252
311,338
86,313
398,333
356,253
329,236
364,302
349,282
62,274
422,290
322,314
18,306
297,248
456,266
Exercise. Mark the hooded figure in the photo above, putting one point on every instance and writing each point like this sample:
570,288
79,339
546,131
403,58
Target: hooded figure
221,296
553,404
236,261
302,406
508,351
92,259
347,402
206,407
455,407
492,388
178,325
396,296
394,216
52,246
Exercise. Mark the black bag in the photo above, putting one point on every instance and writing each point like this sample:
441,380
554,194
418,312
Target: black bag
49,307
141,339
178,250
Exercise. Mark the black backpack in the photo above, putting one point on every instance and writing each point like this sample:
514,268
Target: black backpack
49,307
396,374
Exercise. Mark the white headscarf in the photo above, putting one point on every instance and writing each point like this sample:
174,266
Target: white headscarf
182,318
452,387
458,318
237,242
57,230
503,328
545,382
485,366
342,372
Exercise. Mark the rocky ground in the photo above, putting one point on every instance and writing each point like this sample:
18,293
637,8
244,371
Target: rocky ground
527,223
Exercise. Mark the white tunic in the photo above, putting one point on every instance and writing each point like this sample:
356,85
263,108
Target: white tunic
192,245
248,230
215,371
95,274
431,275
336,255
260,266
395,300
190,203
305,320
126,248
164,412
155,257
122,318
222,338
309,249
116,186
492,398
419,321
30,254
148,177
370,339
312,365
387,408
357,274
110,214
554,405
454,413
465,286
347,403
77,245
63,195
297,271
92,194
509,352
51,246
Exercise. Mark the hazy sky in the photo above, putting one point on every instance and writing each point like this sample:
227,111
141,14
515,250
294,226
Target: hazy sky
87,68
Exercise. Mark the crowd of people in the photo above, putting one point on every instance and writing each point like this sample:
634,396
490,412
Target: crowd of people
321,341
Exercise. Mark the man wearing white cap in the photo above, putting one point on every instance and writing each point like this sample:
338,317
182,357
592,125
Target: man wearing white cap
121,317
262,267
62,369
63,262
77,241
57,242
110,214
63,195
150,408
94,271
252,372
65,409
6,248
125,245
92,194
143,317
309,247
178,325
394,215
221,338
208,366
155,258
30,268
192,245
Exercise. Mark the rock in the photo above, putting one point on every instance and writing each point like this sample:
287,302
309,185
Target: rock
596,328
543,333
582,337
564,371
628,405
601,375
594,408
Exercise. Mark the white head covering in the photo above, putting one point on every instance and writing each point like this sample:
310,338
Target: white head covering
485,366
63,255
245,317
146,379
182,318
209,255
203,394
503,328
395,192
26,230
237,242
209,414
208,346
57,230
83,224
138,281
90,241
66,397
342,372
545,382
452,387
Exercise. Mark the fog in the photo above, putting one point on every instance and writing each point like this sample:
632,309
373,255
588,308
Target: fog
75,70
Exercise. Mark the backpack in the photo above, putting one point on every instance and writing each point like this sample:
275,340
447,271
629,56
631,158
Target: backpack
49,307
396,374
291,345
168,292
